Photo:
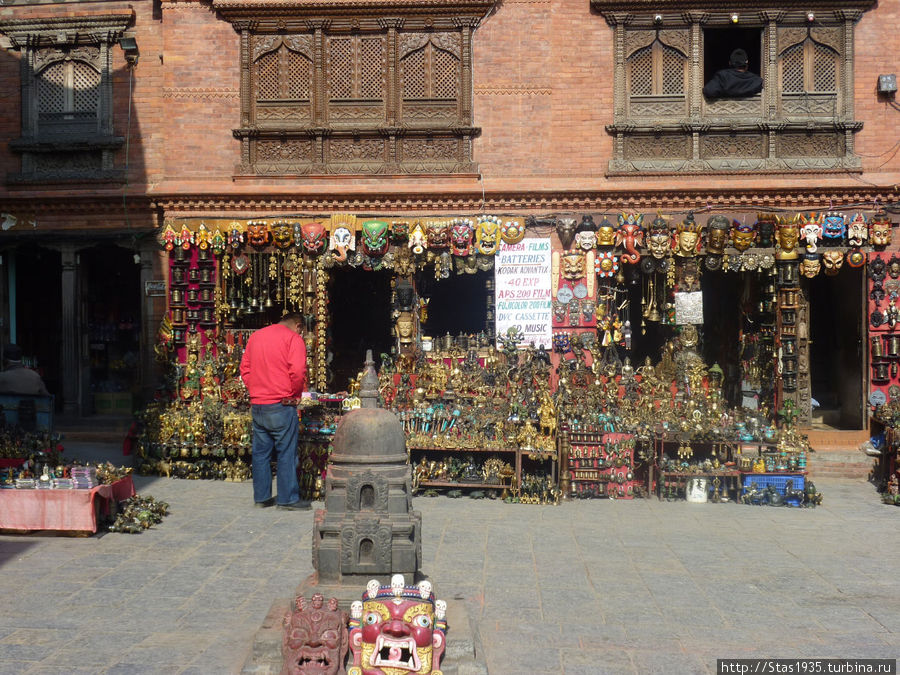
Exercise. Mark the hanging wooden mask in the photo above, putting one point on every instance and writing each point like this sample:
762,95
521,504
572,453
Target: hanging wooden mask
512,231
487,235
438,233
314,237
282,234
375,237
461,237
257,233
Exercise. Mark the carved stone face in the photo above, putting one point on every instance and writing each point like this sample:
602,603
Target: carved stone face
565,229
742,236
659,243
857,230
573,265
512,231
438,234
811,233
257,234
810,266
487,236
585,240
315,638
833,260
880,231
461,237
314,237
787,240
375,237
606,234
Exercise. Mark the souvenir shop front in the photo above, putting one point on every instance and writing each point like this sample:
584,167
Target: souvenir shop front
589,355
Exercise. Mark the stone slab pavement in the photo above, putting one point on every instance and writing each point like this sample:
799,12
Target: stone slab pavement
586,587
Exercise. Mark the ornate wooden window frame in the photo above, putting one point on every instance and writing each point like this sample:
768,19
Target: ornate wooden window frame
357,134
771,132
72,147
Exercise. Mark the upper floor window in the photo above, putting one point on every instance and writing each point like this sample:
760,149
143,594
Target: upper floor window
66,84
802,120
324,92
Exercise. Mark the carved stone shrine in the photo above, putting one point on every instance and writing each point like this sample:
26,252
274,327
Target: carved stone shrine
368,527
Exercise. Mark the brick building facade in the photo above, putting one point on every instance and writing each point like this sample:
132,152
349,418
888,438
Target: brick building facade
546,112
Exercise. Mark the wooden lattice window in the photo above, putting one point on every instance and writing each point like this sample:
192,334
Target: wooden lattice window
67,90
283,69
356,66
809,66
657,70
430,72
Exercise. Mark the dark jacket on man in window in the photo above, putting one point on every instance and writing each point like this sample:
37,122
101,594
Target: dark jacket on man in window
735,81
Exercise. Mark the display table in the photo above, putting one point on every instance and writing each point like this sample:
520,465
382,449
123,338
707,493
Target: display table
60,509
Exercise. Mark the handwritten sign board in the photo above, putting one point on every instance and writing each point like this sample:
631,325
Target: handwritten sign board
522,290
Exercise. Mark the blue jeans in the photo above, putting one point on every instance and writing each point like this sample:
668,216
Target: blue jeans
275,427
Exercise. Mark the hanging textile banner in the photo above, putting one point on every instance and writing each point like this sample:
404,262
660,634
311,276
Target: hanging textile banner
522,290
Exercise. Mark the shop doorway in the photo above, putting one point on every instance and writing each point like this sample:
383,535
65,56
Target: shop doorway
456,305
35,292
111,325
360,303
836,349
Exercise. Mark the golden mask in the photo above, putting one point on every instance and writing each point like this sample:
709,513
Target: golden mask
606,234
717,234
687,238
742,236
788,235
573,265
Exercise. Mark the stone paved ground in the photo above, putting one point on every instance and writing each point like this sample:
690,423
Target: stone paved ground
586,587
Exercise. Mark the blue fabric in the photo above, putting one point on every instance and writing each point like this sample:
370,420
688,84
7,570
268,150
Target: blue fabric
275,428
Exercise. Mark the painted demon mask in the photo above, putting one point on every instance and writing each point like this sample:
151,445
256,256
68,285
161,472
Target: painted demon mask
375,237
417,239
742,236
717,228
833,261
834,227
342,240
399,230
487,235
630,235
858,230
397,629
257,233
606,233
461,237
282,234
810,265
438,234
585,240
765,227
687,237
315,638
880,230
788,235
572,265
512,231
314,237
810,231
235,237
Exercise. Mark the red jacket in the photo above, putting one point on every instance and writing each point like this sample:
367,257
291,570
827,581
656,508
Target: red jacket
274,365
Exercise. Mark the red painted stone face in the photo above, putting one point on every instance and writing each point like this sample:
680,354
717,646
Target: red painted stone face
397,636
315,639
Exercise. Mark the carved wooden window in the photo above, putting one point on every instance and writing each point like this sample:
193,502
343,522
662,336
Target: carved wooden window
357,99
809,66
68,91
66,78
802,120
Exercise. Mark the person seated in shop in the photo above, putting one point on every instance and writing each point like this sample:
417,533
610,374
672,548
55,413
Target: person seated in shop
735,81
16,378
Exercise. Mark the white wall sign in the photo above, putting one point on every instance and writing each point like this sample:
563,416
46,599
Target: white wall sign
522,290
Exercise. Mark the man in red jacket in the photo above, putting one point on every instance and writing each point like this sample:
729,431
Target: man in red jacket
274,369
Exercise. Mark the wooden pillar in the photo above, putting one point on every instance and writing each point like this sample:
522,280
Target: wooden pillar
70,368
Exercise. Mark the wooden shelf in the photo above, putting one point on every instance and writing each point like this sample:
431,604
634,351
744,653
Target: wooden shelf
448,483
423,449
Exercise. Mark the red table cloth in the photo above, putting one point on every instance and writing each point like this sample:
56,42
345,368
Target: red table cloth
60,509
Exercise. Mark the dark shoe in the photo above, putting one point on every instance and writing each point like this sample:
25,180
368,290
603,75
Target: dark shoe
265,504
296,506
